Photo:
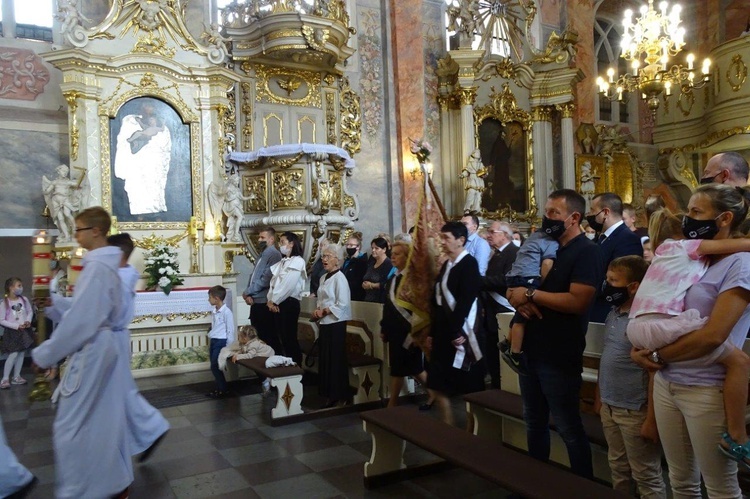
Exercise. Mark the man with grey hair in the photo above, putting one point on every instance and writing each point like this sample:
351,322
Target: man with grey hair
726,168
500,237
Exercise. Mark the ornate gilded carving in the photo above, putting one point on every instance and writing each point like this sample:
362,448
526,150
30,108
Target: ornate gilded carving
283,164
266,119
718,136
153,45
165,17
685,102
316,38
331,136
266,74
255,187
467,96
247,116
288,189
227,119
150,242
72,99
560,48
336,186
329,79
148,80
351,118
504,108
736,73
540,113
566,109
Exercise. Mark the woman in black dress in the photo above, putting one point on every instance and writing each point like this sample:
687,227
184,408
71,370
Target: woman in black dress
354,266
379,270
404,358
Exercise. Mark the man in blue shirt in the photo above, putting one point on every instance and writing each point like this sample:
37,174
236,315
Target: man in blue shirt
256,292
475,245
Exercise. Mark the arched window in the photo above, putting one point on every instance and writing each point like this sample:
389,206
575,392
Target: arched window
32,20
607,50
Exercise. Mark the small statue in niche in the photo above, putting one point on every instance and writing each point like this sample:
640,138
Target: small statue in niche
474,173
588,182
64,198
227,198
71,18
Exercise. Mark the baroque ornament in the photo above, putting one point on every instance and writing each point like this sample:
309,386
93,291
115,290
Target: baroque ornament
351,118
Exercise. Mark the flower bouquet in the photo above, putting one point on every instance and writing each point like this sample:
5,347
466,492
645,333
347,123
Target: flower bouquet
421,149
162,268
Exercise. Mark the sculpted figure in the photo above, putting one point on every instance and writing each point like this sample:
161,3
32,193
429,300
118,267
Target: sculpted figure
71,19
63,198
227,199
474,173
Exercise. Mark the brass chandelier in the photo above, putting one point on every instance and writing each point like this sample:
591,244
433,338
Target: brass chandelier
648,45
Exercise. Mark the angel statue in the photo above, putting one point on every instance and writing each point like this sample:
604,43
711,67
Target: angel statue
64,198
71,19
588,182
227,198
217,43
474,173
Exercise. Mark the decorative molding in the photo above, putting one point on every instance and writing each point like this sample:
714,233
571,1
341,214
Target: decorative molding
288,189
467,96
247,116
331,136
736,73
685,102
351,118
256,188
266,74
567,109
71,97
541,113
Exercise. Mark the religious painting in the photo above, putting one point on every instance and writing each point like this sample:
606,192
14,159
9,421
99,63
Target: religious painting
150,161
591,176
504,152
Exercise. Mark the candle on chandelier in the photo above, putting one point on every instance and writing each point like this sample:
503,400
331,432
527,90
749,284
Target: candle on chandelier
41,252
706,65
690,59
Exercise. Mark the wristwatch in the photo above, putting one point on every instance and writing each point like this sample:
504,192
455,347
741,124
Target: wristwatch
530,294
656,358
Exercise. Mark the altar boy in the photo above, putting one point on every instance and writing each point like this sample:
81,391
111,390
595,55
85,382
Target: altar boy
92,455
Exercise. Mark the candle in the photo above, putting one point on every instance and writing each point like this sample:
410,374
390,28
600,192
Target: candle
75,268
41,251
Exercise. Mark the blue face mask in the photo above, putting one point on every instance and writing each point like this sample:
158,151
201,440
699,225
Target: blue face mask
18,291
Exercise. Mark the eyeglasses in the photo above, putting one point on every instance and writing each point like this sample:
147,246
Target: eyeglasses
81,229
327,257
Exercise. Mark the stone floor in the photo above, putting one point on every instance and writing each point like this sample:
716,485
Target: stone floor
227,448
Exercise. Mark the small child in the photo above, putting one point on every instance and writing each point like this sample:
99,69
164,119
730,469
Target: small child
221,334
247,346
15,316
533,261
624,394
658,315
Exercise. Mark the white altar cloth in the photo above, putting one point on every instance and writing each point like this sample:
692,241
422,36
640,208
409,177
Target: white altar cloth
153,303
288,149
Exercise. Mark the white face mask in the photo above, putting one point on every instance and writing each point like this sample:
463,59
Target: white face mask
590,235
517,243
285,250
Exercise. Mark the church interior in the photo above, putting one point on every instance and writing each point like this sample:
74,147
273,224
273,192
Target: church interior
196,124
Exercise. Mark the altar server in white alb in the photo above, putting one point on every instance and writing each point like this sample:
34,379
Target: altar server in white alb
14,477
146,425
92,454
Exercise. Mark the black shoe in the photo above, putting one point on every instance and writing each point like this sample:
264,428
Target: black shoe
25,490
147,453
504,345
516,361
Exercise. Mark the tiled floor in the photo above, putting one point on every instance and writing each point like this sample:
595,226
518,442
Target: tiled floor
227,448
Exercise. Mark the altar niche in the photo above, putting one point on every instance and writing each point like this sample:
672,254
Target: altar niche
151,163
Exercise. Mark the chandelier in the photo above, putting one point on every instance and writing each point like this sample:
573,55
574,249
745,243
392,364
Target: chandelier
648,45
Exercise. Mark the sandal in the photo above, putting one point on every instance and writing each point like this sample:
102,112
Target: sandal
4,384
735,451
18,380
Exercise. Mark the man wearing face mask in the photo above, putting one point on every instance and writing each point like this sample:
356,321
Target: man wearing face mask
615,239
726,168
493,291
256,293
555,333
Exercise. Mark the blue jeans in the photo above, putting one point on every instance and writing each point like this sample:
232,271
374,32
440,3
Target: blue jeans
214,348
549,389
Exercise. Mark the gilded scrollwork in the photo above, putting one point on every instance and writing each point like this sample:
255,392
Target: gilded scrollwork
256,188
685,102
736,73
351,118
247,116
335,183
150,242
566,110
316,38
331,136
467,96
288,189
266,74
71,98
164,17
560,48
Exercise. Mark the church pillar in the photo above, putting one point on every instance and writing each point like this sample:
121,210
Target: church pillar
447,153
541,123
568,179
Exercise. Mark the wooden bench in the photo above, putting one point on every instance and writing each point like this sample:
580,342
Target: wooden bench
488,408
485,457
287,380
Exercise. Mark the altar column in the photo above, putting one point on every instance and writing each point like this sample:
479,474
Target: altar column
541,117
447,153
568,150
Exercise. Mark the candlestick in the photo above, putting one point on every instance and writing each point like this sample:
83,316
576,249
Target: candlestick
75,268
41,253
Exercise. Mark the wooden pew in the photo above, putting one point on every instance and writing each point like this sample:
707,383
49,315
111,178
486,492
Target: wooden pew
485,457
287,380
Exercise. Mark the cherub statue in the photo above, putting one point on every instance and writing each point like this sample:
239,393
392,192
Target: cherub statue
474,173
217,49
227,198
71,18
64,197
150,9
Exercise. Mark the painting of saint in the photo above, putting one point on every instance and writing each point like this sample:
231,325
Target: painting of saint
503,150
150,148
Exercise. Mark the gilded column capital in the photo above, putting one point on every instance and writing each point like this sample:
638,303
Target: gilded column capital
541,113
467,95
566,109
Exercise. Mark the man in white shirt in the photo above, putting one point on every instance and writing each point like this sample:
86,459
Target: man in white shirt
475,245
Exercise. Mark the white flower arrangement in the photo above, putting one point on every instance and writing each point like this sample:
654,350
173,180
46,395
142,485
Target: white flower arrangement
162,268
421,149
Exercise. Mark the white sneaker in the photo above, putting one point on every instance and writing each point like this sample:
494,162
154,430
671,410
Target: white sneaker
18,380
